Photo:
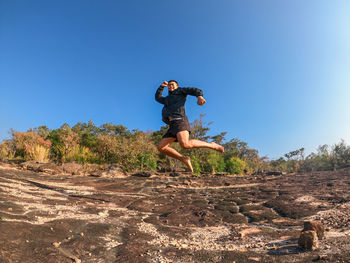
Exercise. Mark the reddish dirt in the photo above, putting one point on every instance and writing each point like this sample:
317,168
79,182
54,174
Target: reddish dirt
162,218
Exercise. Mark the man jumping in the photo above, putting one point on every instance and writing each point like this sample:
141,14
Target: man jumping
174,115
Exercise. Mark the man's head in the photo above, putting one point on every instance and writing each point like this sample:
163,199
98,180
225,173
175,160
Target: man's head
172,85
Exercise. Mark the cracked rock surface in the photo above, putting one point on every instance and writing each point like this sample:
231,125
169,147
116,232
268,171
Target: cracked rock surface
162,218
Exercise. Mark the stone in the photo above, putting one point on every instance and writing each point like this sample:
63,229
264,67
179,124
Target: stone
315,226
56,244
107,171
15,161
274,173
320,257
221,174
49,168
103,214
89,168
72,168
114,170
163,169
187,182
308,240
34,166
31,166
98,173
142,174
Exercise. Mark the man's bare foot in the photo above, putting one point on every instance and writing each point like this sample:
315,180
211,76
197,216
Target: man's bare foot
218,147
187,162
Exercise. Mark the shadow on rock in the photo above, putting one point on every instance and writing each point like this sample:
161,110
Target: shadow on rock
44,186
285,247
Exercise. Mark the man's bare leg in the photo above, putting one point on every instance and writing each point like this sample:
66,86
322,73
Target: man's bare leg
164,147
187,143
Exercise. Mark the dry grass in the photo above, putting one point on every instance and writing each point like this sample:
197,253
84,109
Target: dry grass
39,153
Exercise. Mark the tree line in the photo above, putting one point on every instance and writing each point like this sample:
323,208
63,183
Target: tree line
87,143
326,158
132,149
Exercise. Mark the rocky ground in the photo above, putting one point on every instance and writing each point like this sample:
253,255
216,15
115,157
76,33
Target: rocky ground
170,217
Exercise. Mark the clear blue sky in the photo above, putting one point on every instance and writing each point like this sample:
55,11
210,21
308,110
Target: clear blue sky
275,73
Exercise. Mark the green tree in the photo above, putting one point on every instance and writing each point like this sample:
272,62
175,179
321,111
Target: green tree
64,140
220,138
112,129
87,133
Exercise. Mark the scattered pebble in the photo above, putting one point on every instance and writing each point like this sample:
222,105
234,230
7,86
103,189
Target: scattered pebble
56,244
255,259
103,214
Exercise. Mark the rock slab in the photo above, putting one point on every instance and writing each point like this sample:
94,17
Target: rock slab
308,240
315,226
313,232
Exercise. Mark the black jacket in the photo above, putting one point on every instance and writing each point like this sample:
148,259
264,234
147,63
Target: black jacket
174,103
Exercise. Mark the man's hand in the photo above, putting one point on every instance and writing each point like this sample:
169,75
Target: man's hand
201,100
164,84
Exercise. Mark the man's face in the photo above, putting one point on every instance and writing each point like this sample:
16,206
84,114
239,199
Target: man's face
172,86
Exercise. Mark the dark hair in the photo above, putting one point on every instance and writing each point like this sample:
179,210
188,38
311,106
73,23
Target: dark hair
173,81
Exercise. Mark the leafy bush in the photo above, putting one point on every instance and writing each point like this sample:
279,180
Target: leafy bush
108,148
234,165
80,154
64,141
147,161
134,150
196,165
7,150
32,146
215,163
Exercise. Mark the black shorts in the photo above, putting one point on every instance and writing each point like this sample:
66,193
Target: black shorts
176,126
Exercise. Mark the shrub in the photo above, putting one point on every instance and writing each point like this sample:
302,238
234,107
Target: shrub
136,148
133,152
7,150
39,153
80,154
215,163
196,165
234,165
64,141
107,148
32,146
147,161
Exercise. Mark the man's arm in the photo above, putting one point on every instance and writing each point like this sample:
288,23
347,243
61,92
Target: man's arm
159,93
192,91
195,92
